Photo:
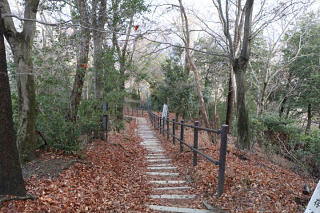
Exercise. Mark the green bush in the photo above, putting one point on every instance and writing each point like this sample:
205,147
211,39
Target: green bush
310,152
285,136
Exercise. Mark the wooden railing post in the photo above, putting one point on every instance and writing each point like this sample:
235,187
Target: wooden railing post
181,136
195,143
163,125
222,159
168,128
173,131
105,122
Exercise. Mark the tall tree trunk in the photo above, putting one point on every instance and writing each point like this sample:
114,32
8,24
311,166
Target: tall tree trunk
243,141
21,46
309,118
98,65
82,61
26,138
230,102
11,181
99,20
193,66
123,66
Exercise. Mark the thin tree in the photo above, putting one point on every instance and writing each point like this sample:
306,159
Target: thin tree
192,64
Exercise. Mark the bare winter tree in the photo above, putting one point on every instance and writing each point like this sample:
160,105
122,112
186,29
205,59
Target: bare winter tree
186,40
239,52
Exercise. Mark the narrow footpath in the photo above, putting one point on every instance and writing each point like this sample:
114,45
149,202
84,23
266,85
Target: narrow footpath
171,192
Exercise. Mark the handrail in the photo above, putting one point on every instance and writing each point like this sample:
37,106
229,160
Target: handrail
159,123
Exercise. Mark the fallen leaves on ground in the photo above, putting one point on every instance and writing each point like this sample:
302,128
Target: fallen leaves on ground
111,180
252,183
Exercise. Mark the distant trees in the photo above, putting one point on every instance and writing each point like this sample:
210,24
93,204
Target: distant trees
176,89
304,71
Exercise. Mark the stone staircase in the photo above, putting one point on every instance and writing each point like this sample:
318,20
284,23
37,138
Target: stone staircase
171,192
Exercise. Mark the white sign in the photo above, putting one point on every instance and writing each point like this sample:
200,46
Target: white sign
164,111
314,203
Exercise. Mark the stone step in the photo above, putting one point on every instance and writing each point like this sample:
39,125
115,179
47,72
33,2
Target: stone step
178,209
159,160
173,188
161,165
157,157
168,182
163,174
162,168
155,150
172,196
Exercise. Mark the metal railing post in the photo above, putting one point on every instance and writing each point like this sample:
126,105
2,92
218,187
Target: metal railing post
168,128
173,131
160,125
195,143
222,158
181,136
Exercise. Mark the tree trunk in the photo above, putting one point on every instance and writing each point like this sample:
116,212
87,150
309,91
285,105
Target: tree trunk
230,102
282,106
26,138
193,66
98,65
21,46
309,119
121,92
123,66
11,181
99,20
82,61
243,141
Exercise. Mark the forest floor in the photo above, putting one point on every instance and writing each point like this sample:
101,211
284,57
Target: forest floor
111,178
254,181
